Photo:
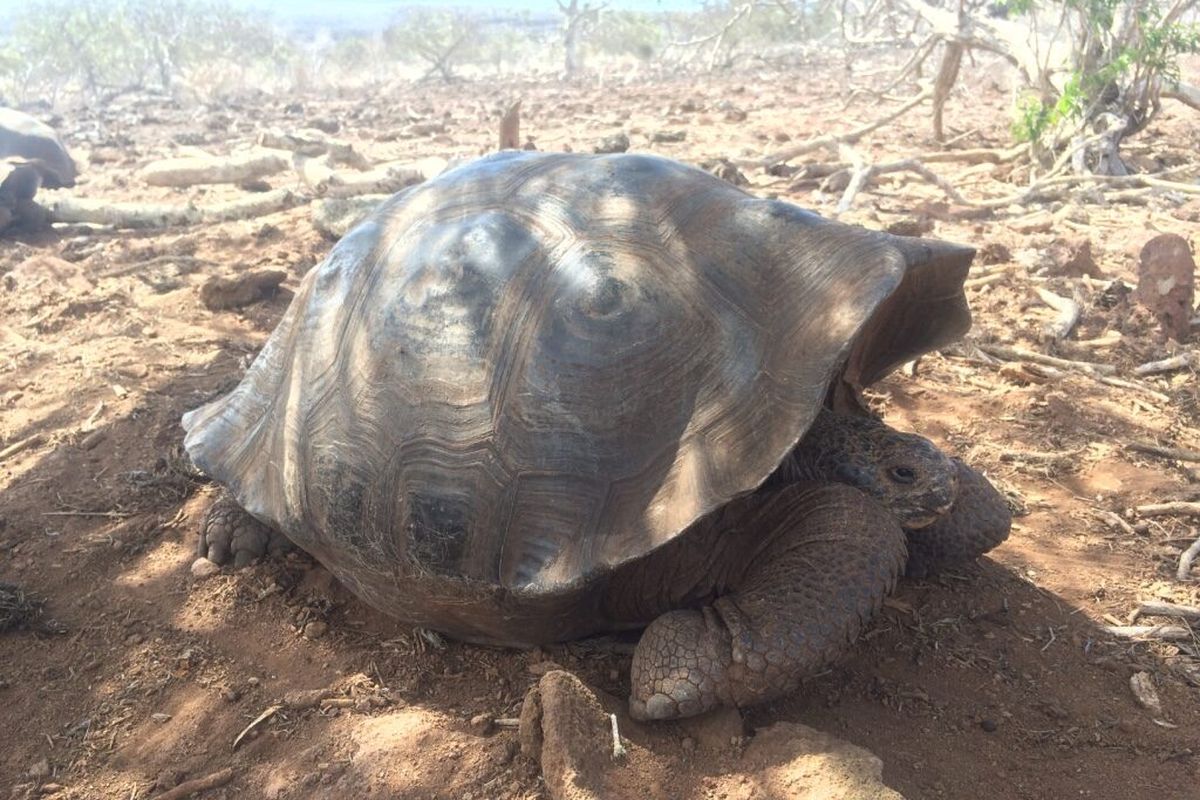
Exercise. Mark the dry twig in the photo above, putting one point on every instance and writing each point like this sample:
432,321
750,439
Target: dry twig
261,718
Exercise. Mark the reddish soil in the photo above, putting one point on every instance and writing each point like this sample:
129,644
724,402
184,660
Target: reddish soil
993,680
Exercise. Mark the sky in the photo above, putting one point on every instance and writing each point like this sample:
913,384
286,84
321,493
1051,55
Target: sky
286,8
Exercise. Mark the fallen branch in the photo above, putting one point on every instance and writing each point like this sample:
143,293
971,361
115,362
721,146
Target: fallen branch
312,142
1113,520
197,785
618,750
164,215
1185,360
1176,508
1068,314
1185,93
850,137
1015,354
214,169
864,174
1158,608
384,179
1166,633
21,445
1152,449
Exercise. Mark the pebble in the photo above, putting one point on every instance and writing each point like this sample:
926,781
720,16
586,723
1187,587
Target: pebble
315,629
481,724
989,725
230,694
160,717
203,568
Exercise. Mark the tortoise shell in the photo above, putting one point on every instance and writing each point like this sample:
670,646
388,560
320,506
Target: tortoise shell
26,141
536,367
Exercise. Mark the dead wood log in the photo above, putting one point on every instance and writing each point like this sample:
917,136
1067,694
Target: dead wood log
182,172
1185,93
312,142
163,215
384,179
1166,633
1165,452
1068,314
1185,360
1158,608
1175,508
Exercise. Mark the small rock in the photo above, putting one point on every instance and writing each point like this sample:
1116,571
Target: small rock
167,779
203,568
911,227
94,438
688,744
988,725
617,143
661,137
1142,686
160,717
726,170
994,253
230,694
482,724
221,294
542,667
315,629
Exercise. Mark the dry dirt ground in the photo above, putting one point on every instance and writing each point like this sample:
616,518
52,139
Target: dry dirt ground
994,680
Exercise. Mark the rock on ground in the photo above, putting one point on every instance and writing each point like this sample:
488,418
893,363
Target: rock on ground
565,726
1166,283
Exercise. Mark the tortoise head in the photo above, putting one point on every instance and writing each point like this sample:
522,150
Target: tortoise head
905,472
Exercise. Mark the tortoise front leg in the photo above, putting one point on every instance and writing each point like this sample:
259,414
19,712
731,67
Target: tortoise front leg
823,559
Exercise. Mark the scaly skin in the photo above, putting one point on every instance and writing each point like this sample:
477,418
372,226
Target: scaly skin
826,557
230,534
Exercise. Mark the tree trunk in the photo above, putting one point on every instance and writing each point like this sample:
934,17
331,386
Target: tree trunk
947,75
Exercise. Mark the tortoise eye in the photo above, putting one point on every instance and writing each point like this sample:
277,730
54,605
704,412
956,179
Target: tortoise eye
905,475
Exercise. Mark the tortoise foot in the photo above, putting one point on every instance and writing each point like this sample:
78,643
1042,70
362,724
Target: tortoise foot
230,535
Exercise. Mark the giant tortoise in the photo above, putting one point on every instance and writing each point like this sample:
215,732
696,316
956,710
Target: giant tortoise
546,395
32,156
